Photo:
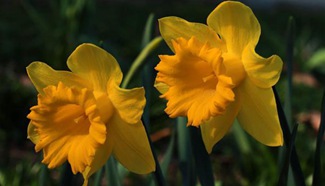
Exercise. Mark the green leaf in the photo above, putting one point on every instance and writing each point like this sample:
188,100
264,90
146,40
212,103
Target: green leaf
164,163
202,161
320,140
285,168
183,140
317,59
289,64
184,151
98,177
168,155
241,138
111,172
291,26
43,176
294,160
147,71
66,175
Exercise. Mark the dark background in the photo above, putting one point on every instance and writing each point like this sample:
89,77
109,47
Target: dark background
48,31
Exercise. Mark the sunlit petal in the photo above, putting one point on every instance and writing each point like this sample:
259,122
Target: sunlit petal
236,24
32,134
258,114
102,154
172,28
43,75
161,87
217,127
129,103
96,65
263,72
131,146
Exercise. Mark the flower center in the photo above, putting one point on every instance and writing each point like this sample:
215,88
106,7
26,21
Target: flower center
69,123
193,75
81,118
212,76
235,68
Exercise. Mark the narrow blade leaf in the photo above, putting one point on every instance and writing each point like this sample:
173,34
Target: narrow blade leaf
320,139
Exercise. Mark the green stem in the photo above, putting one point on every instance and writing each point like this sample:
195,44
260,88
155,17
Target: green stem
111,172
98,177
138,62
201,158
158,173
186,165
43,177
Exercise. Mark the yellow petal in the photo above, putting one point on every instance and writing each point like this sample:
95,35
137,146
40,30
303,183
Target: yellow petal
43,75
96,65
129,103
32,134
258,114
172,28
102,154
236,24
69,126
264,73
161,87
131,145
217,127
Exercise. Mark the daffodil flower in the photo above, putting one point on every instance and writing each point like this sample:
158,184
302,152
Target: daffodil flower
83,116
216,76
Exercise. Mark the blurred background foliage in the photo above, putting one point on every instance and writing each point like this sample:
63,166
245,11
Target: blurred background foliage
48,31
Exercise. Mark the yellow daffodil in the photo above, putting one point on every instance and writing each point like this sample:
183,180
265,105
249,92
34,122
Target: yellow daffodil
83,116
216,76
